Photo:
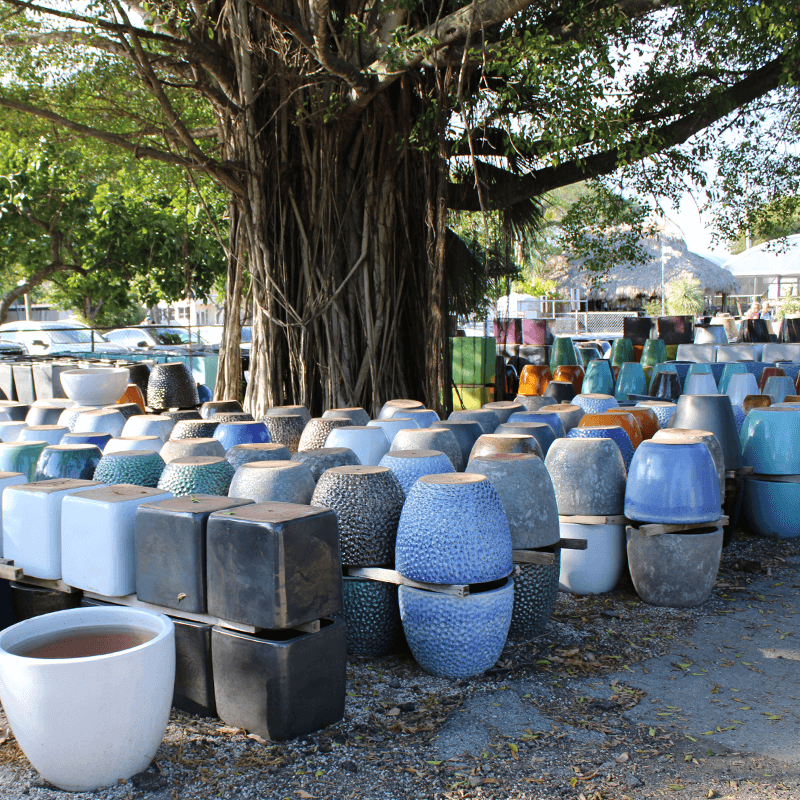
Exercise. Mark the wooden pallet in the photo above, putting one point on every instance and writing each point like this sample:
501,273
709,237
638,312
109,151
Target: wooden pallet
9,572
657,529
393,576
583,519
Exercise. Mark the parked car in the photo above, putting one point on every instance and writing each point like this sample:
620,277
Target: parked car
155,337
47,338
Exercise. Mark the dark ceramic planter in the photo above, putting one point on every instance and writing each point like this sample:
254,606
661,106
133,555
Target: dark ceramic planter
711,413
325,458
277,684
790,330
207,410
129,410
140,375
665,386
637,329
754,330
372,615
170,544
273,565
171,385
535,593
68,461
32,601
675,330
285,429
560,391
232,416
194,674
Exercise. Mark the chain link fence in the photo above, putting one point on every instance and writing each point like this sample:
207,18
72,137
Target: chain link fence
589,322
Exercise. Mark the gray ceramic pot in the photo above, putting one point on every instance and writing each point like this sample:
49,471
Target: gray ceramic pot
149,425
466,433
534,402
570,415
488,420
246,453
504,408
268,481
207,410
540,431
297,411
493,443
325,458
535,595
357,415
196,475
123,443
317,429
185,448
285,429
714,413
430,439
392,407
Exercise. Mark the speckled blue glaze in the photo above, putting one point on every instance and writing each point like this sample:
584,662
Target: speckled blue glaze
772,508
738,417
790,370
407,470
613,432
595,403
453,533
663,413
757,367
553,420
456,637
717,370
231,433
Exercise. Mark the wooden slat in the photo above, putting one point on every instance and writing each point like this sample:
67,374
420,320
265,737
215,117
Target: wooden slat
582,519
308,627
571,544
392,576
8,571
533,557
658,529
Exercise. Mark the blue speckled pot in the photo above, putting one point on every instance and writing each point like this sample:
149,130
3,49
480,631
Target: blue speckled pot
613,432
661,408
727,372
757,367
672,483
97,439
770,440
681,368
548,417
453,529
232,433
594,403
456,637
717,371
77,461
599,378
409,465
772,508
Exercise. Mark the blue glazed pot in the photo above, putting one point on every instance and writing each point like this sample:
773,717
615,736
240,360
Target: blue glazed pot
456,637
770,440
772,508
595,403
613,432
77,461
777,387
757,367
21,457
98,439
661,408
727,372
599,378
232,433
739,417
548,417
630,380
453,529
698,368
672,483
409,465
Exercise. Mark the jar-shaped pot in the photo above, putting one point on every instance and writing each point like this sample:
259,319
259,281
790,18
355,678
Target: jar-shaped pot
317,429
488,420
631,380
171,385
534,379
662,409
16,412
123,443
503,408
588,477
194,429
186,448
569,414
101,420
149,425
295,411
675,483
772,507
573,373
495,443
423,417
707,438
409,465
654,352
369,444
540,431
229,434
456,637
392,407
52,434
77,461
285,429
325,458
767,373
614,432
367,501
560,391
99,440
533,403
196,475
711,413
700,383
232,416
246,453
372,614
770,441
207,410
535,594
139,373
526,492
357,416
619,417
546,416
137,467
453,529
562,352
273,481
621,352
430,439
128,410
599,378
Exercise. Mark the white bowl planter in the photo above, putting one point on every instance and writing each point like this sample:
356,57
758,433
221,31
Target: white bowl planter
96,386
85,723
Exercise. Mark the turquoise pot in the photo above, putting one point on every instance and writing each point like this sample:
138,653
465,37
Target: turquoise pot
197,475
729,371
21,457
562,353
78,461
654,352
139,467
631,380
697,369
770,440
599,378
621,352
772,507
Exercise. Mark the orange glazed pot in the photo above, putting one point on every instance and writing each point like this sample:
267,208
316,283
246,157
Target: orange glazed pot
572,373
133,394
534,378
623,419
646,417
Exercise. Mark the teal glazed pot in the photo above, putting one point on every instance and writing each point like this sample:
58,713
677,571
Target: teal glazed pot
599,378
770,441
562,353
630,380
654,352
622,352
372,615
21,457
772,507
137,467
77,461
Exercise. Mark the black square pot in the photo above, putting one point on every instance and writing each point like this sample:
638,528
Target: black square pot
194,676
637,329
273,565
675,330
280,684
33,601
170,546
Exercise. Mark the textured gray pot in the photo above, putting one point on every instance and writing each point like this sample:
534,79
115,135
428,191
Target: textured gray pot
194,429
149,425
708,439
196,475
534,402
246,453
711,412
504,408
674,569
488,420
185,448
570,415
466,433
285,429
297,411
430,439
491,443
588,475
123,443
268,481
527,495
357,415
317,429
367,501
535,595
392,407
326,458
540,431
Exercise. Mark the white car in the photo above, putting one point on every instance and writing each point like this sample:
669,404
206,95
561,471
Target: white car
155,336
46,338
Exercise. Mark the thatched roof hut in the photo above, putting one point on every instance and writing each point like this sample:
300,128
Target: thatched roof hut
624,280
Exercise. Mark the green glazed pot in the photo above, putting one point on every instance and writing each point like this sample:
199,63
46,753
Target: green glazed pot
630,380
654,352
599,378
21,457
621,352
562,353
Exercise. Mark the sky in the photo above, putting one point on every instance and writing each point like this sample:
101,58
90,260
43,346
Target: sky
698,236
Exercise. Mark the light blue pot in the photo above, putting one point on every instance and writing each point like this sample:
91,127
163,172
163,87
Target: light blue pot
233,433
548,417
614,432
770,441
409,465
727,372
672,483
777,387
630,380
698,368
772,508
595,403
599,378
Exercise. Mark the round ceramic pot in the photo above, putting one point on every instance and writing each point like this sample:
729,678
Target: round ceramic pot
317,429
285,429
430,439
453,529
69,415
488,420
752,401
740,385
424,417
654,352
526,491
562,352
126,443
10,431
674,569
533,403
137,467
372,615
52,434
534,379
545,416
599,378
295,411
662,409
595,403
77,461
392,407
357,416
133,394
149,425
598,568
770,441
560,391
588,476
171,385
273,481
700,383
232,416
630,380
778,387
391,427
772,507
409,465
456,637
767,373
614,432
99,440
367,501
369,444
185,448
707,438
229,434
572,373
325,458
16,411
620,417
102,420
728,371
95,386
674,483
494,443
140,375
246,453
540,431
503,408
194,429
109,724
43,415
535,593
711,413
646,417
665,386
196,475
176,415
621,352
207,410
128,410
21,457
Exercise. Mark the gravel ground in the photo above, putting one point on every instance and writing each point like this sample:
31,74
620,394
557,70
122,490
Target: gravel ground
558,717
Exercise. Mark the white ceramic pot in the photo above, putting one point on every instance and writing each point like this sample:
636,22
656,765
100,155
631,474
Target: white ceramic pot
701,383
52,434
10,431
741,385
599,567
149,425
124,443
95,386
369,444
86,723
103,420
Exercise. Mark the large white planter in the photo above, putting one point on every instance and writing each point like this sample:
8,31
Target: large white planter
8,479
86,723
96,386
102,420
370,444
599,567
149,425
